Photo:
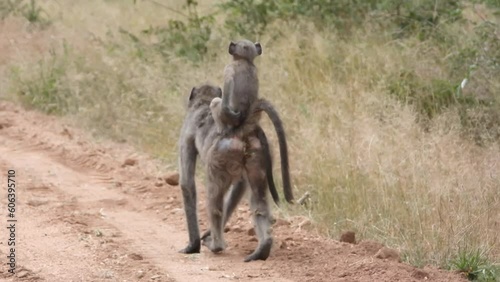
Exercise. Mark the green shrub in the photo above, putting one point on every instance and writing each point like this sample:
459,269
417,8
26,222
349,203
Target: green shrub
475,266
186,39
44,88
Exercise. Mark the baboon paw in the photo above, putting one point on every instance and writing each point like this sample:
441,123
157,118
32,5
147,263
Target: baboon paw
215,247
191,249
262,252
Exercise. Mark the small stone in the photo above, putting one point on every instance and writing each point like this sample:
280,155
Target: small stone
172,179
282,244
139,274
135,256
155,277
22,274
227,229
388,253
159,183
251,232
129,162
420,274
348,237
281,222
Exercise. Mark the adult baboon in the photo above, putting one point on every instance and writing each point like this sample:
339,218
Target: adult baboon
229,160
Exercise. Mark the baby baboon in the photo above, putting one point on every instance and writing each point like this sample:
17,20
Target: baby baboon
228,160
241,83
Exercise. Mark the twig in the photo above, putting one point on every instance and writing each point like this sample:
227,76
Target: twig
304,197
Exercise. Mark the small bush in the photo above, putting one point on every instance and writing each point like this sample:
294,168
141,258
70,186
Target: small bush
186,39
475,266
44,89
428,97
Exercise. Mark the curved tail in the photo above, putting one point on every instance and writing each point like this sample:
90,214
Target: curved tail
269,163
267,107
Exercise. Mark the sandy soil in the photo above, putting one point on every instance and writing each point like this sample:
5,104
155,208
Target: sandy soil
85,216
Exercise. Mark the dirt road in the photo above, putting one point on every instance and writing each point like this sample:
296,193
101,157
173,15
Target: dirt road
82,215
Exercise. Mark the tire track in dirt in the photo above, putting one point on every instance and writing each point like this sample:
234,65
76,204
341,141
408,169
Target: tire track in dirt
108,221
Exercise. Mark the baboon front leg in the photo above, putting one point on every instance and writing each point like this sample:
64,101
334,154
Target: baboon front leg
218,183
261,214
187,165
235,194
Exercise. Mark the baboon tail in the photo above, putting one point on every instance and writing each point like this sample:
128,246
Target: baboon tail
280,132
269,163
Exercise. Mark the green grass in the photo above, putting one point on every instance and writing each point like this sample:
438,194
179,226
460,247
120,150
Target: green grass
476,266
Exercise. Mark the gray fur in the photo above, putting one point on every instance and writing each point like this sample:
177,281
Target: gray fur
241,83
236,160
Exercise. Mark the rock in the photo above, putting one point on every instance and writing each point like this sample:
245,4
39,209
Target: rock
282,245
158,183
22,274
420,274
388,253
348,237
135,256
139,274
281,222
251,232
172,179
129,162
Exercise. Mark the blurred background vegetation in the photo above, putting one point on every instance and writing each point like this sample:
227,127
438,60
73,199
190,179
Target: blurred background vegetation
392,107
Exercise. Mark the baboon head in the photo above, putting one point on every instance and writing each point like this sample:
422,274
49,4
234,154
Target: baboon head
245,49
204,94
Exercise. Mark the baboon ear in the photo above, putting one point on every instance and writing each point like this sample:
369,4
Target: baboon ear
259,48
232,46
193,93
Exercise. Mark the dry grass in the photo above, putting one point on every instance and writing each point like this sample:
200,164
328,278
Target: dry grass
364,157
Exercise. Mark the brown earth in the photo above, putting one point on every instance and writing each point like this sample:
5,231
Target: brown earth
91,211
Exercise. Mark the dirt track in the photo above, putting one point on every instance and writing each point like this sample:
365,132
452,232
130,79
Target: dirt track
82,216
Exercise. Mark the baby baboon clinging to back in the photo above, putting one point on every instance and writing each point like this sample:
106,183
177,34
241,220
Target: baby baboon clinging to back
241,84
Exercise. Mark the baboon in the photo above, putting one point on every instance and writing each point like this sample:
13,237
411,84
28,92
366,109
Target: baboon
241,83
229,160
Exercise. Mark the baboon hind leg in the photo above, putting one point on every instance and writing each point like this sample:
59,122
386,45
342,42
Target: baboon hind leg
218,183
233,198
256,175
187,165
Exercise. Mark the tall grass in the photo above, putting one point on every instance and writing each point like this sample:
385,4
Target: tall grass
374,162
